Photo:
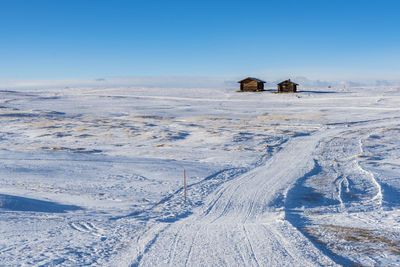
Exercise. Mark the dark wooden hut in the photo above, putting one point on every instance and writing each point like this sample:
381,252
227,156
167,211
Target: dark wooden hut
251,85
287,87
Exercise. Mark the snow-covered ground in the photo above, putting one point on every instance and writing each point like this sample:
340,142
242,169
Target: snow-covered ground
94,176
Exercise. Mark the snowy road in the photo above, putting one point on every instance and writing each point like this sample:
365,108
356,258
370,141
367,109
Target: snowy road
242,223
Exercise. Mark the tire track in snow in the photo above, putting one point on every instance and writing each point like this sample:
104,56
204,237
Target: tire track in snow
172,251
286,244
149,244
378,195
227,204
253,254
190,249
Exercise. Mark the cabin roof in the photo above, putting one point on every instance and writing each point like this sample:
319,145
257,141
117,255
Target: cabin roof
287,81
253,79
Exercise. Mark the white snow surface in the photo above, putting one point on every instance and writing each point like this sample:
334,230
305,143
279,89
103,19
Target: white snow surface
94,176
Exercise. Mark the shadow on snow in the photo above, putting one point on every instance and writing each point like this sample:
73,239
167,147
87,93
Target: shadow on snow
16,203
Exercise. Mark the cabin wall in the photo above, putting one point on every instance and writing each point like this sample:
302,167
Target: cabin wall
287,88
250,86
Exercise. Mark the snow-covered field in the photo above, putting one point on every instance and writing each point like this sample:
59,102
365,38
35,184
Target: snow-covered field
94,176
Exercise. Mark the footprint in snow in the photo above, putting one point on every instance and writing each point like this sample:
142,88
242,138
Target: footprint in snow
88,227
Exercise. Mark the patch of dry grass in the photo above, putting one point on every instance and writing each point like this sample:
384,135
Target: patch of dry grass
360,240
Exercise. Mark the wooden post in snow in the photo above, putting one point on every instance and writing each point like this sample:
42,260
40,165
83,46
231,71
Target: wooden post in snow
184,184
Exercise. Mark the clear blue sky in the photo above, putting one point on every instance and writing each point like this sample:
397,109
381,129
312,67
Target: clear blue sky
68,39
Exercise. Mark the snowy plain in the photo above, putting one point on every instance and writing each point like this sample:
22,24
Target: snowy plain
94,176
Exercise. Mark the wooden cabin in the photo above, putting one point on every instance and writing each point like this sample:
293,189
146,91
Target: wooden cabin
251,85
287,87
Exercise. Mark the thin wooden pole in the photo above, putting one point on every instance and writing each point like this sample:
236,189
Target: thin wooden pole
184,183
